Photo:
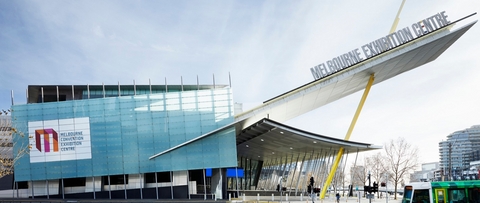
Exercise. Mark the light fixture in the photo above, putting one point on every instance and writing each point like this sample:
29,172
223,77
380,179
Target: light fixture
281,132
262,140
291,147
314,141
246,145
258,156
273,152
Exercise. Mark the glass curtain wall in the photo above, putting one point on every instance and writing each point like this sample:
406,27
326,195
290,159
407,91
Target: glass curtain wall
123,132
292,173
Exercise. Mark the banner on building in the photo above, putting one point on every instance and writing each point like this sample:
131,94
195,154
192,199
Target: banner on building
59,140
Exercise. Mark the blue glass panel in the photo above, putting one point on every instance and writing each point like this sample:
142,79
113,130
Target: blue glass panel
132,128
234,173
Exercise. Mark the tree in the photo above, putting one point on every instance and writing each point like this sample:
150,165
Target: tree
360,175
338,178
8,141
401,158
377,167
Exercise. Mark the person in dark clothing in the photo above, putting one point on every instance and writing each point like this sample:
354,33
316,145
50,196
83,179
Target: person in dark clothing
338,198
278,188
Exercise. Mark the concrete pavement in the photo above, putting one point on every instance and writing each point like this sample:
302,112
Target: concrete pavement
298,199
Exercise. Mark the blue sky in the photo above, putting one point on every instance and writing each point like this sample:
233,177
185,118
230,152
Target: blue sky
267,46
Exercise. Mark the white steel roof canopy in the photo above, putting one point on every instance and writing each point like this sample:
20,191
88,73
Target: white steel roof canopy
266,140
386,65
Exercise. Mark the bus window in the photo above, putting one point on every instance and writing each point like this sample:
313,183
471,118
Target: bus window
474,195
457,196
421,196
408,194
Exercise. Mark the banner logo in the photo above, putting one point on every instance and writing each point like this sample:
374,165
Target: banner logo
59,140
46,139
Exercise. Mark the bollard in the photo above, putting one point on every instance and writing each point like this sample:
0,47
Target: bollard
286,197
272,197
301,197
229,197
258,196
243,196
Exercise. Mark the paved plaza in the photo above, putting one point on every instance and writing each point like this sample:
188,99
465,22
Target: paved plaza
303,199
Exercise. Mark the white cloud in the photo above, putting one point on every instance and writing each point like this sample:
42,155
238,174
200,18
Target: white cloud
163,48
98,31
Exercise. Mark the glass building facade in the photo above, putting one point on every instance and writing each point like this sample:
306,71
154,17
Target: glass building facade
456,151
133,142
121,133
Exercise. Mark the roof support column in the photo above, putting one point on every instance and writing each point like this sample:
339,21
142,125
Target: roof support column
307,171
236,183
269,173
354,170
321,169
279,170
294,171
275,173
318,166
300,173
347,137
280,178
283,174
330,157
313,169
343,174
335,177
264,175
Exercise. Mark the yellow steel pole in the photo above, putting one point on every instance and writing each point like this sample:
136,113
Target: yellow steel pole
360,106
395,22
347,137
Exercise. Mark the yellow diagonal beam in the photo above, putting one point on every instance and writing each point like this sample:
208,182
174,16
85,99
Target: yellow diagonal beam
347,137
360,106
395,22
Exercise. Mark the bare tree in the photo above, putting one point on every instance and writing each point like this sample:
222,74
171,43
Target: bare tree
401,158
338,179
8,142
360,175
377,167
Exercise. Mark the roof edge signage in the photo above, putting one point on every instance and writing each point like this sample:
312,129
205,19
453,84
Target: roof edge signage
380,45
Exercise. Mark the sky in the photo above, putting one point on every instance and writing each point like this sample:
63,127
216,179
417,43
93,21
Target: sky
268,48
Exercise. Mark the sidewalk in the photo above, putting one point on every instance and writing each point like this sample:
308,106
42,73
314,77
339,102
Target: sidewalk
297,199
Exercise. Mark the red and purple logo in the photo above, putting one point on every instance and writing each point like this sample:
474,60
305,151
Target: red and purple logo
46,139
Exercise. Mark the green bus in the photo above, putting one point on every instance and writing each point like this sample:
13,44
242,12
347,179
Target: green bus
442,192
